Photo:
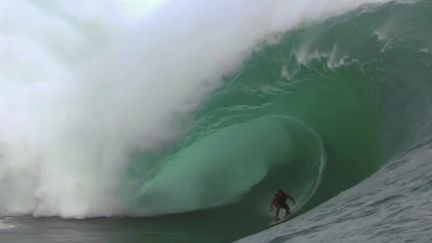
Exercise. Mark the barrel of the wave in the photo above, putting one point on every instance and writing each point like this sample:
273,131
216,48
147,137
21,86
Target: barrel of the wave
237,167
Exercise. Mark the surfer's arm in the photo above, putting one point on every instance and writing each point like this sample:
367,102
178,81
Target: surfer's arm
272,205
291,198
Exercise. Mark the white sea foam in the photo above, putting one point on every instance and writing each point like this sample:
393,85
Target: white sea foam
6,225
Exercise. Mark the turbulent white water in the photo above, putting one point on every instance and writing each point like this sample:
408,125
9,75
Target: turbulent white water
83,84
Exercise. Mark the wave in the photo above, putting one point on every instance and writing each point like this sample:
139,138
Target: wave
174,111
84,90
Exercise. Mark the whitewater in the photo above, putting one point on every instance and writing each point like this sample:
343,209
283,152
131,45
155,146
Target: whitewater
178,120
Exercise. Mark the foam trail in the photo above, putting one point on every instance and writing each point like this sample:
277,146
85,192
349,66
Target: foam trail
5,224
82,84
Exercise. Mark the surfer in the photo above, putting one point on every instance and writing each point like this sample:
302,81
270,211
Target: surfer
279,201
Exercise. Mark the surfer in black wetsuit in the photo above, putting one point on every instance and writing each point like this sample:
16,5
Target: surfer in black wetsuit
279,201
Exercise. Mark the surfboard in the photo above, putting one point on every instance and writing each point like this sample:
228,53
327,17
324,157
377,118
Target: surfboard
281,220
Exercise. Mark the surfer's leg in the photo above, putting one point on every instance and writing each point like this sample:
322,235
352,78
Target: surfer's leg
277,213
287,211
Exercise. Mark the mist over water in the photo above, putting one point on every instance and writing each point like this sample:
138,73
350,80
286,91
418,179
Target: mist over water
86,85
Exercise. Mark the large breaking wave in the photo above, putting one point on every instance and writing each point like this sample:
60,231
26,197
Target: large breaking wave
97,105
148,108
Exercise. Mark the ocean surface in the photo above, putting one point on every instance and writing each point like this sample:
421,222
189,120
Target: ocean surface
179,122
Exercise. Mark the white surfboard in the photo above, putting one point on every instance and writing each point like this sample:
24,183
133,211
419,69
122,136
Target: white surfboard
281,220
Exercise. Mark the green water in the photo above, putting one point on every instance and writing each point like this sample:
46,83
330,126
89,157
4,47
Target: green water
248,130
336,85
